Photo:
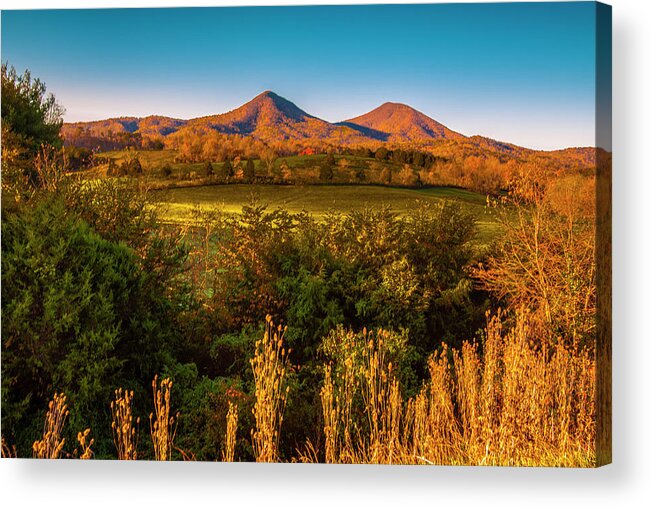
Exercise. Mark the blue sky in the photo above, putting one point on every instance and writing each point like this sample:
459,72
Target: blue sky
522,73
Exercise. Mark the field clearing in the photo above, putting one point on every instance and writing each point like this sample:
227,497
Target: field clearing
318,200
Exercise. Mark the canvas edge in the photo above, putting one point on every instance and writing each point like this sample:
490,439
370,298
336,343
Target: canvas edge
603,238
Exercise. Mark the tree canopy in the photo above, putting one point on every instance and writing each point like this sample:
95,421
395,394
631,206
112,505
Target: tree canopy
33,115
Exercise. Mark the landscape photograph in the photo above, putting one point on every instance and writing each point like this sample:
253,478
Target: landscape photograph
373,234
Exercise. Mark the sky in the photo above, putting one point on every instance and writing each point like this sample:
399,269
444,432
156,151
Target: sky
522,73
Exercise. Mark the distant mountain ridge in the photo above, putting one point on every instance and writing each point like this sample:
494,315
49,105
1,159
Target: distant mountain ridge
271,118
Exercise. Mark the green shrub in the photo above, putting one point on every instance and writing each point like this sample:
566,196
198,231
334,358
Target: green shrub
79,315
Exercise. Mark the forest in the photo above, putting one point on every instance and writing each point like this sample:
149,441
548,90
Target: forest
366,335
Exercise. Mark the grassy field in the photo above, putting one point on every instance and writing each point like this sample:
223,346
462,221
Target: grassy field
184,194
317,200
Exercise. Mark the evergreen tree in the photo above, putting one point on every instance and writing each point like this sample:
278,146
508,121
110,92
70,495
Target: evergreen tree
249,170
227,169
325,172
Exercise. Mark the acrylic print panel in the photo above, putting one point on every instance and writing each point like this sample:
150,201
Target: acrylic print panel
340,234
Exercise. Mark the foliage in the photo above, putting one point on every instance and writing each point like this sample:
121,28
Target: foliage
31,114
31,119
79,313
545,262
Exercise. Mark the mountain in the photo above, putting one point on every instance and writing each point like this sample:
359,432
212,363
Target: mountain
269,117
273,119
149,125
395,122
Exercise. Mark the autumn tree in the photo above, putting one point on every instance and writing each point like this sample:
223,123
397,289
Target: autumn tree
382,154
545,260
285,171
269,158
385,176
409,177
31,118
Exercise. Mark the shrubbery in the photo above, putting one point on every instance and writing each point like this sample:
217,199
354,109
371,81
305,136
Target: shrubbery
80,314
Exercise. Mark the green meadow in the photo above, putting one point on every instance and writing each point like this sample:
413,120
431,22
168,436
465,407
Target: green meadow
179,203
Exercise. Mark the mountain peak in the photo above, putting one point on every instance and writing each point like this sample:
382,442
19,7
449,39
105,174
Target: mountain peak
267,94
395,105
270,103
401,122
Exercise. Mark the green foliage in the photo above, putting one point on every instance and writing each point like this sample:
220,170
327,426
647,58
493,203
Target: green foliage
79,315
32,115
368,268
30,119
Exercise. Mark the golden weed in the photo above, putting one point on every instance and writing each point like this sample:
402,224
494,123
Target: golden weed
7,451
331,416
505,403
51,445
163,425
270,364
85,444
231,432
125,435
369,379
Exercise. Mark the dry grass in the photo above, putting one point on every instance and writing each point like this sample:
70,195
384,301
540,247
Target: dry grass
125,435
231,432
85,451
162,423
508,404
51,445
7,450
504,401
270,365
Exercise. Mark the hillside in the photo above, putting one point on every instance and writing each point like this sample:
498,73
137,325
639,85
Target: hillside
269,117
394,122
151,125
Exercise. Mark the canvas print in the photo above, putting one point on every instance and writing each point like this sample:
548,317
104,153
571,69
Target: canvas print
371,234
